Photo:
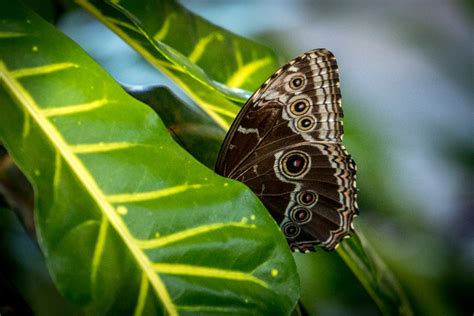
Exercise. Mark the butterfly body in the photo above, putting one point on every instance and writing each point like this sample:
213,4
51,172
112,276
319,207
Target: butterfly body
285,144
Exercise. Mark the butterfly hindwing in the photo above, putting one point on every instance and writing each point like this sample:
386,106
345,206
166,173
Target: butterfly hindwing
285,145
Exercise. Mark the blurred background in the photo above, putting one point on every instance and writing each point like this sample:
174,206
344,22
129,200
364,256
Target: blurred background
406,71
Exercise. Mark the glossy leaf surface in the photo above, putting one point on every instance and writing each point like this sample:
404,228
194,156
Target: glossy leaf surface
129,222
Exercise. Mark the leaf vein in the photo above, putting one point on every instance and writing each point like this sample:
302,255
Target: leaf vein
188,233
201,45
26,126
41,70
243,73
151,195
207,272
163,31
100,147
214,309
11,34
57,174
76,108
99,250
141,296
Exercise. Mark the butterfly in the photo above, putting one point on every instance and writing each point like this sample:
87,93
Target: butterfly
285,144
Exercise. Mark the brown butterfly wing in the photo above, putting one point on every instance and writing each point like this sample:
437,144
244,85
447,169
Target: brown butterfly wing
285,145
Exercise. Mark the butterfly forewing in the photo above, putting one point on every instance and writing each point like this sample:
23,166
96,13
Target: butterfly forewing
285,145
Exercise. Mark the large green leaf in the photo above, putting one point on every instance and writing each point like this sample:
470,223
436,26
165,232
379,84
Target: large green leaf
129,223
212,65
